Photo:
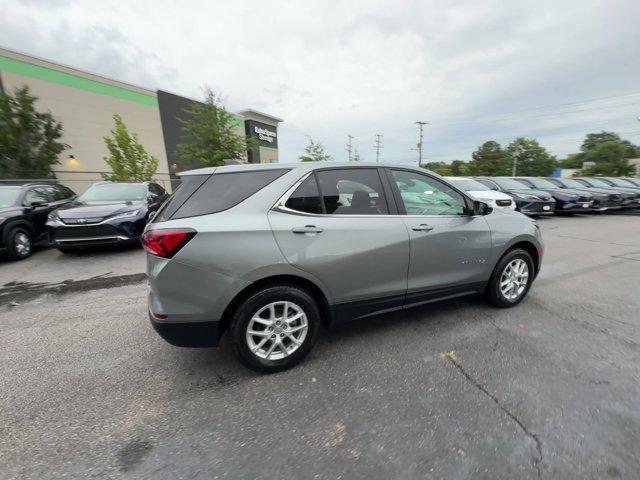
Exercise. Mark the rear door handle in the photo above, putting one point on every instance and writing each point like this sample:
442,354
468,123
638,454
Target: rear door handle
423,227
307,229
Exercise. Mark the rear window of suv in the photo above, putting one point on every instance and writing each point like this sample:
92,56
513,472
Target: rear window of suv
215,193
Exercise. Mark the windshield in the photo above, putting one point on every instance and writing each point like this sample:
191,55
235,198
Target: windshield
541,183
8,196
510,184
620,182
571,183
114,193
597,183
468,184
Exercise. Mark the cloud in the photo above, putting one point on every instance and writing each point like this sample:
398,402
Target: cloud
333,68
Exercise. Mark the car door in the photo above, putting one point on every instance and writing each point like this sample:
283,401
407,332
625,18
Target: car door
450,248
336,225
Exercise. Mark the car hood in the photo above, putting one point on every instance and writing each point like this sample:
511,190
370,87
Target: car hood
489,195
536,193
83,210
9,210
569,191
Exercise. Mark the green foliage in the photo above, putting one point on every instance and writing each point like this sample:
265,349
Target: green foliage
314,152
532,158
459,168
209,134
489,159
572,161
593,139
29,140
128,159
610,159
356,157
441,168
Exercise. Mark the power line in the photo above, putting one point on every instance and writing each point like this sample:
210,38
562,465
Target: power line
378,146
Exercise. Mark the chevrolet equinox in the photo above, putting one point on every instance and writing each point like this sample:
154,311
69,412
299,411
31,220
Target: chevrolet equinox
272,252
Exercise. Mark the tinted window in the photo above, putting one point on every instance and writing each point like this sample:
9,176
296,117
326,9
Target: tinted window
225,190
156,189
188,185
423,195
65,192
511,184
306,198
354,191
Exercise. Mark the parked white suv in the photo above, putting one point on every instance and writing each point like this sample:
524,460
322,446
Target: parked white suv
483,193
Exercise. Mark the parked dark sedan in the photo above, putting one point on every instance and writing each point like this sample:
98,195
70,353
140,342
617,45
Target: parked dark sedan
567,200
23,215
107,213
528,201
603,198
630,198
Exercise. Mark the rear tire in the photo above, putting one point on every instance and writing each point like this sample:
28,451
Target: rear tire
511,279
275,328
19,244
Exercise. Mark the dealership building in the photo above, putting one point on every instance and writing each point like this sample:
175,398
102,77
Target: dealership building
85,104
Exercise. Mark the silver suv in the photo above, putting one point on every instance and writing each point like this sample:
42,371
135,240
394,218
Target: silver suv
272,252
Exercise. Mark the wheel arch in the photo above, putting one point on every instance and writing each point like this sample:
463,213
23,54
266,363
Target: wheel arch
282,279
20,223
528,247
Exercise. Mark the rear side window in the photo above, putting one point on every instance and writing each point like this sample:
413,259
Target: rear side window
306,197
223,191
190,183
353,191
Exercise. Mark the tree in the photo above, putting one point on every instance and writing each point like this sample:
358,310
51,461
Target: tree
209,136
29,140
489,159
593,139
128,159
531,158
441,168
610,159
314,152
459,168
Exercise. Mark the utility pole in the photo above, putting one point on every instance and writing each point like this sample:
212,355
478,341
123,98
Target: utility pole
378,146
350,146
421,136
518,151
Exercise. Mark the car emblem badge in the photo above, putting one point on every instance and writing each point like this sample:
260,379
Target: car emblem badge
82,220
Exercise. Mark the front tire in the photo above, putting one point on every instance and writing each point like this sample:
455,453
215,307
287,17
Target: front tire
19,243
275,328
511,279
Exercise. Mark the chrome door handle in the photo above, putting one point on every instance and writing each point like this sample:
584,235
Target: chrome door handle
306,229
423,227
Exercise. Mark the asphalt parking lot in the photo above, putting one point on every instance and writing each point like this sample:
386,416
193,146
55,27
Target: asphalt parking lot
549,389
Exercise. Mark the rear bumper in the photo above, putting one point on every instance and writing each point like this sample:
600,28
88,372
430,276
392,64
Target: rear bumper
188,334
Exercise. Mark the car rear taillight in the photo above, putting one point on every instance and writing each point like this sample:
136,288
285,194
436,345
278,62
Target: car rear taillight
166,242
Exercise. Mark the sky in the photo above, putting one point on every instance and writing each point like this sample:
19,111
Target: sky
475,71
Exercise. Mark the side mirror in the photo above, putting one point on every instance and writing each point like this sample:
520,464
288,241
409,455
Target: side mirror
481,208
38,203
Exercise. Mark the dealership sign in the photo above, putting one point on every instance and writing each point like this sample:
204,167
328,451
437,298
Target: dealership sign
264,134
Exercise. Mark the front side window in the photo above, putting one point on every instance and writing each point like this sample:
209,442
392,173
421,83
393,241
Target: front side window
423,195
353,191
36,195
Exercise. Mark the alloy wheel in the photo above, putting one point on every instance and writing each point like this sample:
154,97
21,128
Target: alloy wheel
22,244
277,330
514,279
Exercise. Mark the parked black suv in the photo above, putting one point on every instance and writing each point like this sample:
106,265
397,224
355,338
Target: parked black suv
567,200
23,214
528,200
106,213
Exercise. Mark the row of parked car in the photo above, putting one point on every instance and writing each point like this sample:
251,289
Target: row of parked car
53,214
547,196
